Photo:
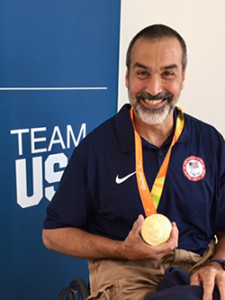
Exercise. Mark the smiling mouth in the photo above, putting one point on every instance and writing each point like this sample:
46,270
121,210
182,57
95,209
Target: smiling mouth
154,102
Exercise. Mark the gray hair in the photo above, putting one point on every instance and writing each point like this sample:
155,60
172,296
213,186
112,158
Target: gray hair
154,33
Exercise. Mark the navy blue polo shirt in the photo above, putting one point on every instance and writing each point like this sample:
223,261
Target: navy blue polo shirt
96,194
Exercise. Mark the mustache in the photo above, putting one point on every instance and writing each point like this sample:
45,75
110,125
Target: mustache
159,96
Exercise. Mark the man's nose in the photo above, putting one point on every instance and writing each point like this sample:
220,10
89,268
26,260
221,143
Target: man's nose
154,85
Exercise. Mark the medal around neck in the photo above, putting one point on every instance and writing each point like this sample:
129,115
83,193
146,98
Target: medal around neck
156,229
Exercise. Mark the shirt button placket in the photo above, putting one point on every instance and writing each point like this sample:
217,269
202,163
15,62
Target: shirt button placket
160,157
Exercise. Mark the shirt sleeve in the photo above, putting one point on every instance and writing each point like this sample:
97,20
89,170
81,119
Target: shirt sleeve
221,204
69,206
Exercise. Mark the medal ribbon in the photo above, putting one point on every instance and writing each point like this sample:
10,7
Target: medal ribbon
150,200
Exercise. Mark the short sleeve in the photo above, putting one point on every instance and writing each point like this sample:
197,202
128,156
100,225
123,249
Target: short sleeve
69,206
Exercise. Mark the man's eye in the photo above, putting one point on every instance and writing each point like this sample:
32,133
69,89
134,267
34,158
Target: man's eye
142,73
168,74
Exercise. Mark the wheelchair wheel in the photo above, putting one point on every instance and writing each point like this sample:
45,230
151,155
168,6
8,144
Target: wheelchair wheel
66,294
79,289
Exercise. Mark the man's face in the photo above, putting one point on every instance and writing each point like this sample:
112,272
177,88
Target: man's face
155,70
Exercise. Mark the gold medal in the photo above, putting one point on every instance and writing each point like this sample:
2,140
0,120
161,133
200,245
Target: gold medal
156,229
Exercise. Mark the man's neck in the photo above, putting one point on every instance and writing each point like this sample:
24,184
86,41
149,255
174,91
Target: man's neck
155,134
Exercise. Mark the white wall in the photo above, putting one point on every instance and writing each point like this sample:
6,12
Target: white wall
202,25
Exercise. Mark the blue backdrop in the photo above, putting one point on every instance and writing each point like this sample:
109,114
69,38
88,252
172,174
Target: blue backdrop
58,81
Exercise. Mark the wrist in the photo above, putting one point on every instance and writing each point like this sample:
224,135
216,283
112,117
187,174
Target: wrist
120,251
219,261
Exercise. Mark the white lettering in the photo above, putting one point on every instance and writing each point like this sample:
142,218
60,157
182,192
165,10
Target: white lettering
31,192
57,141
20,143
21,182
36,140
52,176
70,133
141,179
139,165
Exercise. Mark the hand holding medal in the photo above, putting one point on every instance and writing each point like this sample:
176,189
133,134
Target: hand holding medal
156,229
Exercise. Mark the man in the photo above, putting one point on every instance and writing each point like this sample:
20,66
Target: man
98,210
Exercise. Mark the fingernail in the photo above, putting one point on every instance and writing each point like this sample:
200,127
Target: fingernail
139,218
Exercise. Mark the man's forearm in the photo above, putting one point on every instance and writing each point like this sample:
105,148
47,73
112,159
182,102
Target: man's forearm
79,243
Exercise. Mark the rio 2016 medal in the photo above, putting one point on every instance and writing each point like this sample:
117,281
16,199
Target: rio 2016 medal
156,229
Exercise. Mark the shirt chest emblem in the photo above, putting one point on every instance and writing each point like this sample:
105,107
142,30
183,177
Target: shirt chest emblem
119,180
194,168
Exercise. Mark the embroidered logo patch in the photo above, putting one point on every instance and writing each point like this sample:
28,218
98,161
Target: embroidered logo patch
194,168
121,180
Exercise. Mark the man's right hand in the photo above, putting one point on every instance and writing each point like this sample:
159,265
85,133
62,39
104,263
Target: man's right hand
134,247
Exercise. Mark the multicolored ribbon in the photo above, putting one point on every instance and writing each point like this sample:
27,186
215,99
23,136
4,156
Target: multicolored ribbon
151,199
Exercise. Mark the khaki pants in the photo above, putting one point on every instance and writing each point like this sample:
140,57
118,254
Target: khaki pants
134,280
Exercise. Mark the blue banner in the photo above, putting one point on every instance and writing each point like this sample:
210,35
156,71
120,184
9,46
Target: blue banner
58,81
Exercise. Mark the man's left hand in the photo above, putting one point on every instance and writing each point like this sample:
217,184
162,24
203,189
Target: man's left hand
208,277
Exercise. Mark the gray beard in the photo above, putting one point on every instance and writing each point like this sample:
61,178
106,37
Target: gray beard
152,116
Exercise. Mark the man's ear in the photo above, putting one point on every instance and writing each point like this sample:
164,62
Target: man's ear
183,79
127,78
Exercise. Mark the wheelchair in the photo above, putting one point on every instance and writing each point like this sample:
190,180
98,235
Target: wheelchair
77,290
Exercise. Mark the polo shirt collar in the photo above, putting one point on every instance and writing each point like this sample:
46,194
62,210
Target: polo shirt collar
125,133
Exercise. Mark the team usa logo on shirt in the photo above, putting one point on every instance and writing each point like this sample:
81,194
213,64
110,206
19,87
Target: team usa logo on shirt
194,168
